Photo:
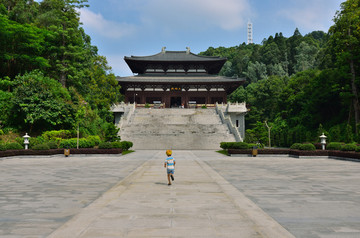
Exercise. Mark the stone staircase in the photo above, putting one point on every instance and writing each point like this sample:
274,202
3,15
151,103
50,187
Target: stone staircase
181,129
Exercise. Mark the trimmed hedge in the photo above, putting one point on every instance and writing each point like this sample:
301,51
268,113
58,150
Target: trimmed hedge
95,139
69,143
116,144
224,145
13,146
72,143
41,147
295,146
52,135
235,145
2,147
126,145
299,146
334,146
349,147
307,147
52,144
59,151
105,145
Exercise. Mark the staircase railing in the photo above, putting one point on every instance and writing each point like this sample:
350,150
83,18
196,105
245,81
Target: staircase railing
227,120
129,111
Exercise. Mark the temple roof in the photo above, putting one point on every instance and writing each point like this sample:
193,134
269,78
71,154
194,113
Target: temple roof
178,79
175,60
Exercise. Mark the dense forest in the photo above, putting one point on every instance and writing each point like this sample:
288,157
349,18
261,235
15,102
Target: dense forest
51,77
300,86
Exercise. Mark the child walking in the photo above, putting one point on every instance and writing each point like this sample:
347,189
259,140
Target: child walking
170,165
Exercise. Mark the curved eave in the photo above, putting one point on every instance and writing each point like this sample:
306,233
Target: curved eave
162,60
140,66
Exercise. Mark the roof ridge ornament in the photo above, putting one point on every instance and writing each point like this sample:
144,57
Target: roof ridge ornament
187,50
163,49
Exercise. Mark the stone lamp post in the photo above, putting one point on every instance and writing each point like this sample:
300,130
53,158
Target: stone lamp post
26,141
323,141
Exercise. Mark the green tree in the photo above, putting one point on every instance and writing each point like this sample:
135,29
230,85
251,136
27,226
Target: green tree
256,71
345,41
103,87
5,107
21,48
305,57
66,53
21,11
41,103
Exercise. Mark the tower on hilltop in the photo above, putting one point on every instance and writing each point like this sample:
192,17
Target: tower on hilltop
249,33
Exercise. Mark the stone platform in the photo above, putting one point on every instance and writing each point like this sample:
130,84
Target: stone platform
212,196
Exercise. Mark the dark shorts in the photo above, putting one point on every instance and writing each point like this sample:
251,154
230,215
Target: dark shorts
170,171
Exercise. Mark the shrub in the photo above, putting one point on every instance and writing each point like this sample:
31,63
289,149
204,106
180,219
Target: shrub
203,107
111,133
52,135
357,148
126,145
295,146
84,143
19,140
52,145
36,140
72,143
116,144
95,139
239,145
1,132
2,147
105,145
69,143
349,147
235,145
252,145
334,146
224,145
307,147
41,147
13,146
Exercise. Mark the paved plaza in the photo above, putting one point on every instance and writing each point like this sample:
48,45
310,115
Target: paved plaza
212,196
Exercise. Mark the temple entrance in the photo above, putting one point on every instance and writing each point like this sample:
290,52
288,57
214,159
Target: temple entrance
175,102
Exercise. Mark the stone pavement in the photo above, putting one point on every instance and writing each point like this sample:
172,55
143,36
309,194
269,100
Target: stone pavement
212,196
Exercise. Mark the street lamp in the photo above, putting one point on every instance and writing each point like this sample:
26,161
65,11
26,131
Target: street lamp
323,141
26,141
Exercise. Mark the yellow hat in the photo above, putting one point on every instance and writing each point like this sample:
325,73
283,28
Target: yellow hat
168,152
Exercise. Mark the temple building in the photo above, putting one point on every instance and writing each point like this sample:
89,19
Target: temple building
176,79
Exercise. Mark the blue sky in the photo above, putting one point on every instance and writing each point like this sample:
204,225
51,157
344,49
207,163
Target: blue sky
141,27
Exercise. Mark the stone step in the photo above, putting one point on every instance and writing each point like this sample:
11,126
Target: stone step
176,129
175,119
172,111
178,142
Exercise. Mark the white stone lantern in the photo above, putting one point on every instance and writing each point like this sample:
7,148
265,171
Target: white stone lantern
26,141
323,141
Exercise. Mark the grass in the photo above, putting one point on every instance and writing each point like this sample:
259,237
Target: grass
127,152
224,152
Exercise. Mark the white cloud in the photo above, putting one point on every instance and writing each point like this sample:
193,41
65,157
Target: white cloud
312,15
109,29
196,14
